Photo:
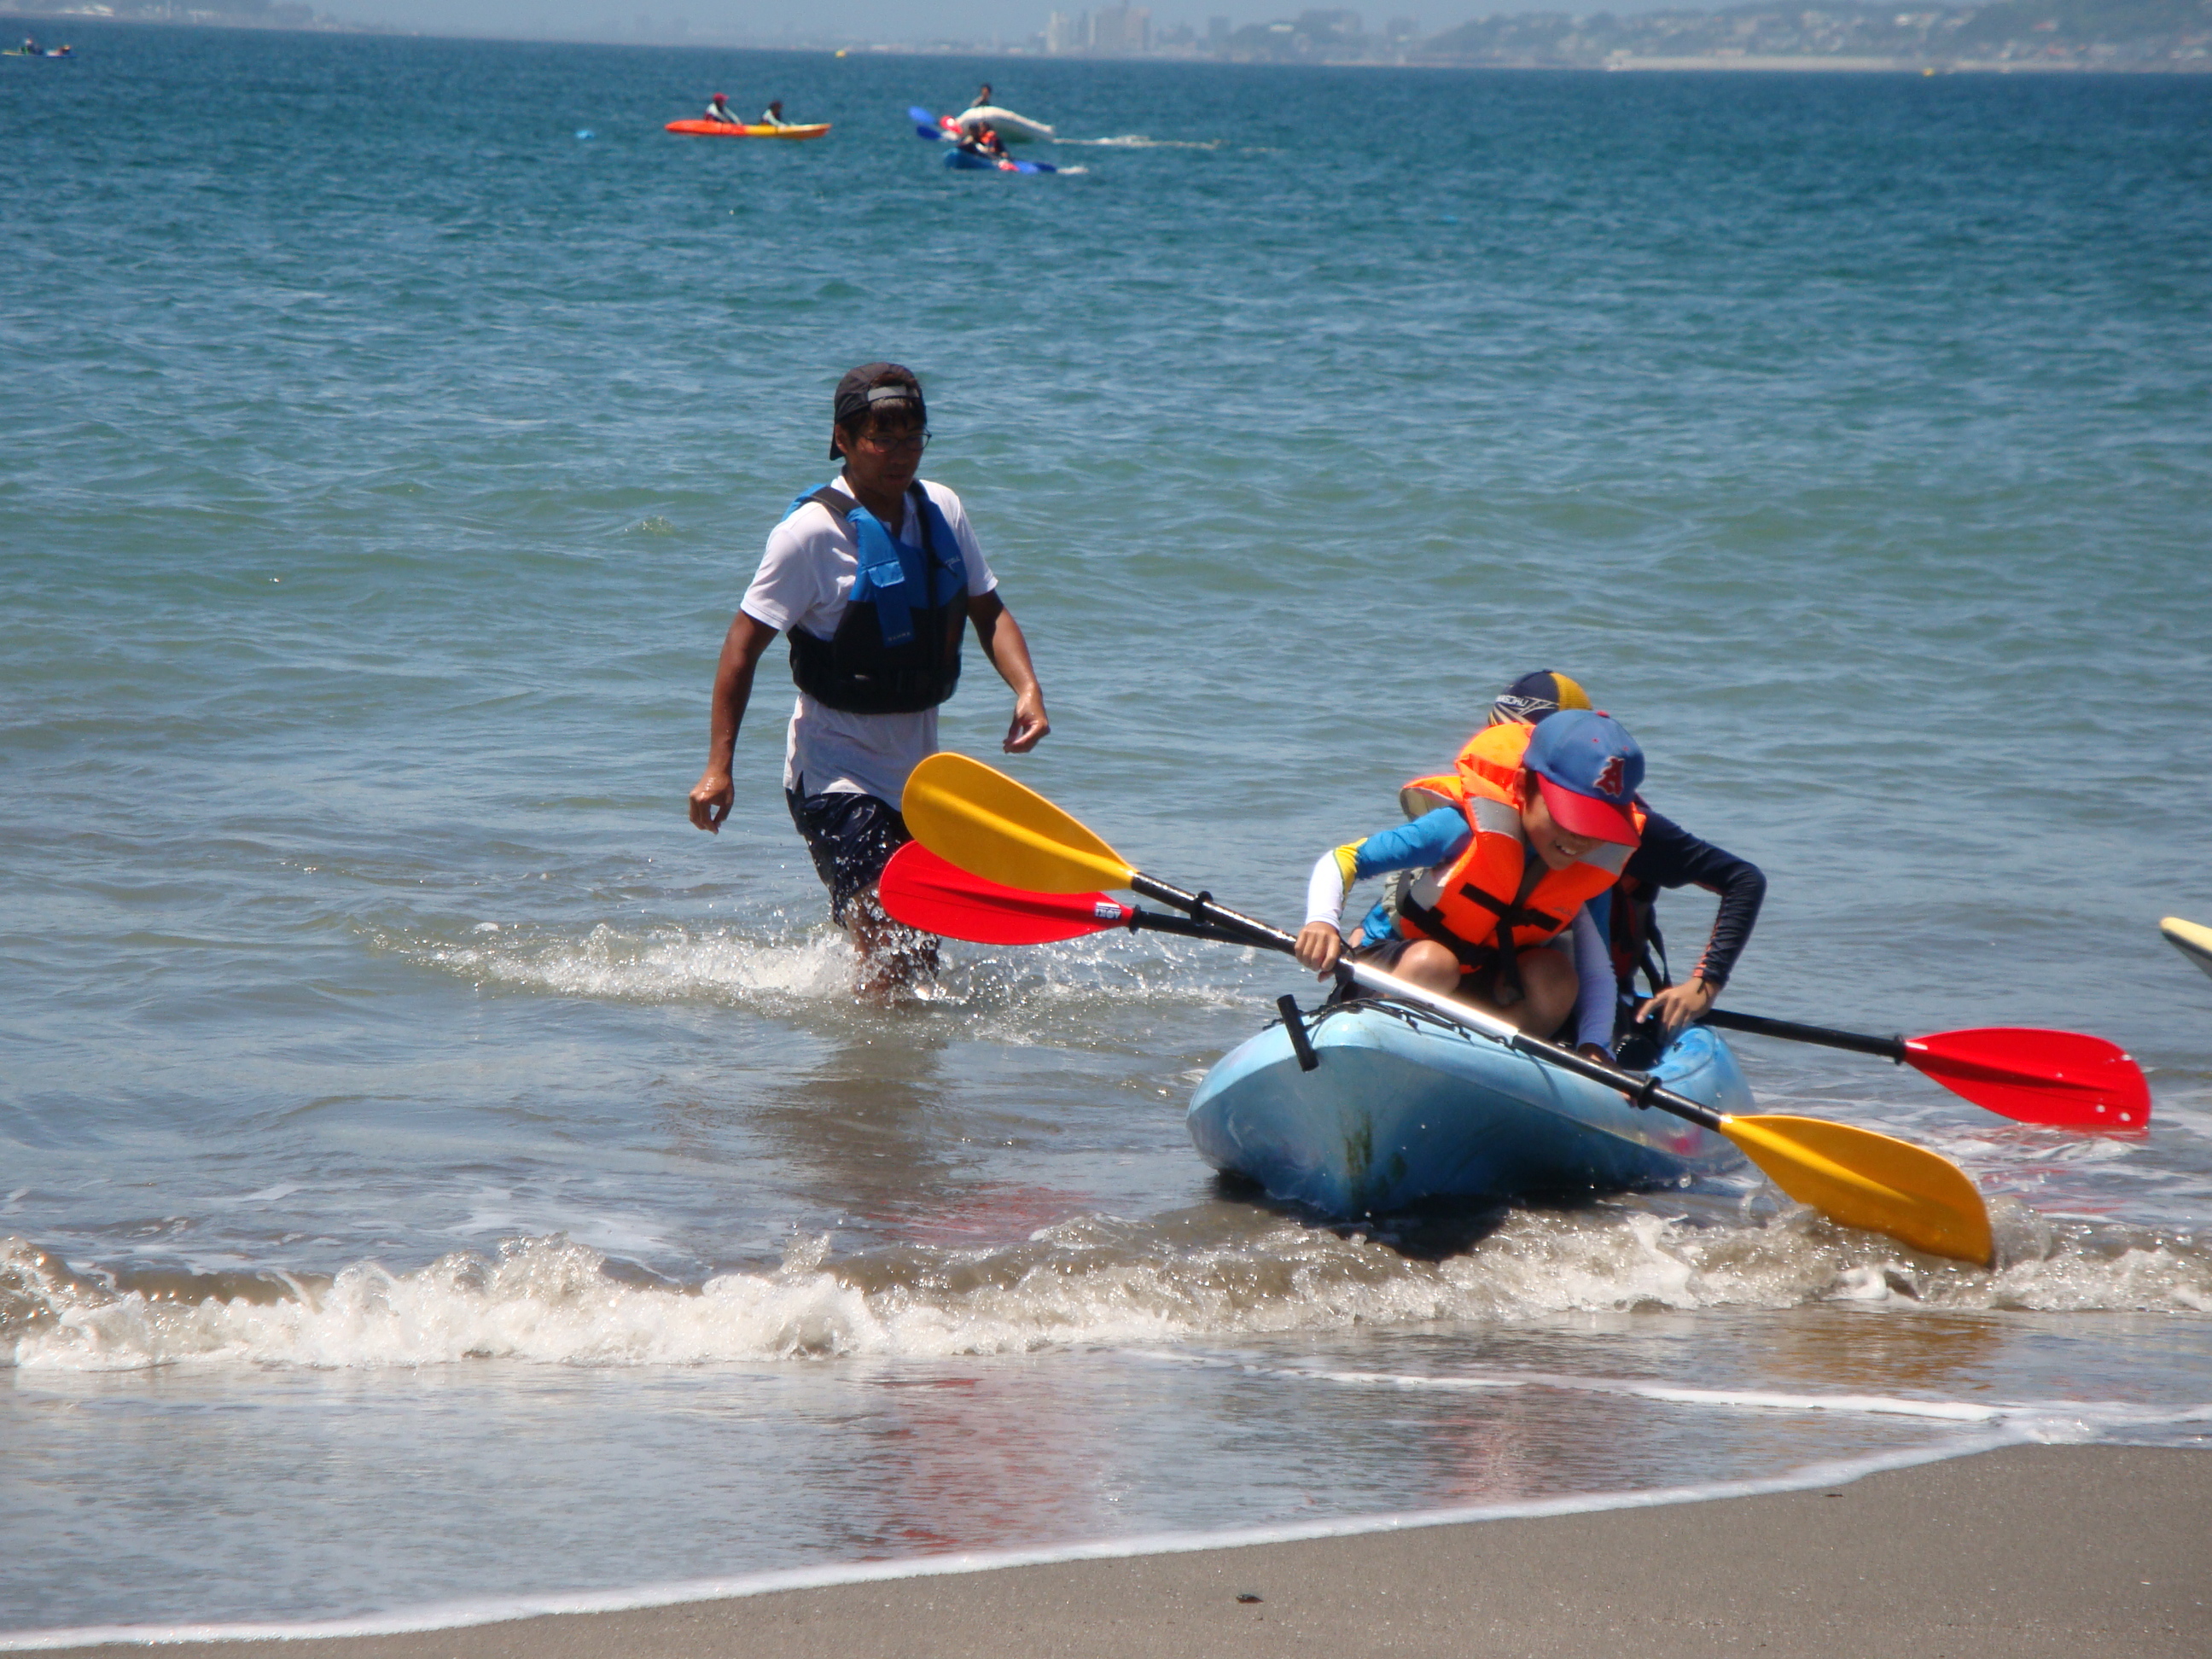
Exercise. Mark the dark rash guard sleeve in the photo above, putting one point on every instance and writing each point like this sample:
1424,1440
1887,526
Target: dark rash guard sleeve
1672,857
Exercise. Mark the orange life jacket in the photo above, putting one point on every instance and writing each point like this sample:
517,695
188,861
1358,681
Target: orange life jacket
1496,890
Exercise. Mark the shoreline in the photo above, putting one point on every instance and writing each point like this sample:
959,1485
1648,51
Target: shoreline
2013,1554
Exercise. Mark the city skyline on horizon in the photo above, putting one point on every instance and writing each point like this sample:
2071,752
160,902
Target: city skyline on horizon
1008,23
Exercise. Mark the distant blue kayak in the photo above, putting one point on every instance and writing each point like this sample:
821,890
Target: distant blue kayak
1400,1108
968,160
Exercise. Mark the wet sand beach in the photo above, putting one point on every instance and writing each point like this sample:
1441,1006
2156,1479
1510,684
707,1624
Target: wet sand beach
2055,1551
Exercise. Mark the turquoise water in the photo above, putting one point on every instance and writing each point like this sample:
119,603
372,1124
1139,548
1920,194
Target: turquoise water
430,1167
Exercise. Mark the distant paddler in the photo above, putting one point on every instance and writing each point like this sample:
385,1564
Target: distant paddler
718,109
982,141
876,575
773,116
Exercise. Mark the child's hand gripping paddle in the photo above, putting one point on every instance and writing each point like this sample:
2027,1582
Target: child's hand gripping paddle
981,821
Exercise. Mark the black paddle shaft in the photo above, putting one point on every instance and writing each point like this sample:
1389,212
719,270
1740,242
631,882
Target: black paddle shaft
1204,913
1151,921
1641,1089
1791,1031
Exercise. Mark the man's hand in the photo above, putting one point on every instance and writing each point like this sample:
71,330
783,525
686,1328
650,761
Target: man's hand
1678,1005
1319,947
712,796
711,799
1028,724
1001,636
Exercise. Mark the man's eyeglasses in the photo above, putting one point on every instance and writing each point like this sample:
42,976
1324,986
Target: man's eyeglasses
887,442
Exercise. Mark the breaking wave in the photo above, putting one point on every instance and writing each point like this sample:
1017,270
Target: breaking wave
1091,1282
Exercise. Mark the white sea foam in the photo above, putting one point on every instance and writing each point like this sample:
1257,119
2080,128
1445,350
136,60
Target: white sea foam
1086,1282
1140,141
2040,1419
742,966
665,964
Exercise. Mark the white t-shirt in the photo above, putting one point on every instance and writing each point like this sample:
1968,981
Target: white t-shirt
810,564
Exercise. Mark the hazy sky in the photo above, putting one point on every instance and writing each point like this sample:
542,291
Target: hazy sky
886,19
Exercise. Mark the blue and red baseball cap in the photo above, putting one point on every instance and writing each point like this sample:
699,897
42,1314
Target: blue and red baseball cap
1590,769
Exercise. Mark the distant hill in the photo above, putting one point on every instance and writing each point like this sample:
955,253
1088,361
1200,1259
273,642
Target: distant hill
2010,33
2007,35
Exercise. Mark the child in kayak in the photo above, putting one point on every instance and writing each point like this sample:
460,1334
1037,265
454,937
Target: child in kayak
1668,856
1536,822
1626,918
983,141
773,116
718,109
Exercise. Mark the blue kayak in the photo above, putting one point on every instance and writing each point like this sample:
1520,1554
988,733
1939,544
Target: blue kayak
1402,1108
969,161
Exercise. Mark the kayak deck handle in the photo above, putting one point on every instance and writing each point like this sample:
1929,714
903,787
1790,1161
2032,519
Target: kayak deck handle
1295,1023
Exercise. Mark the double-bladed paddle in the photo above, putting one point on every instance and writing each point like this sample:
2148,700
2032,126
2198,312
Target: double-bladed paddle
2063,1079
982,820
922,890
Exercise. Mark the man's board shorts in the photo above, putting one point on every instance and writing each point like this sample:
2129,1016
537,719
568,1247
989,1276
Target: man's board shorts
850,836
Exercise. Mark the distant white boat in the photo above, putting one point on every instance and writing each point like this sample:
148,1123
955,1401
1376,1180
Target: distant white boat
1008,125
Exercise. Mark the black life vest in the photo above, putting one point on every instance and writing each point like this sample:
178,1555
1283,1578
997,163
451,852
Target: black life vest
1636,941
896,650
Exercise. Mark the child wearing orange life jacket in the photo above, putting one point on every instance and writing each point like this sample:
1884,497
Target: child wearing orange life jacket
1535,823
1669,856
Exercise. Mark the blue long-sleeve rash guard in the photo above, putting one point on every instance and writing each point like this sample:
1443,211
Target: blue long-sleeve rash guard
1439,838
1431,839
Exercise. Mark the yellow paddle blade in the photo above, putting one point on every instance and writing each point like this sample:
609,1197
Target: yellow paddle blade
1865,1180
990,826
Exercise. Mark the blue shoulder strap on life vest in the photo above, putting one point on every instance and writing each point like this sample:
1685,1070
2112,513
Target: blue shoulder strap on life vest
892,574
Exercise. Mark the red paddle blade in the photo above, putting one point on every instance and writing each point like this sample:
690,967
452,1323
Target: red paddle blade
2062,1078
923,891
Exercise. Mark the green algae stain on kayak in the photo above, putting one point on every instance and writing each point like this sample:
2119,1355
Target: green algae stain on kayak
1359,1152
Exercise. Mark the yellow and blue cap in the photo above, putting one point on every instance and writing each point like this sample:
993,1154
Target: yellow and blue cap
1533,696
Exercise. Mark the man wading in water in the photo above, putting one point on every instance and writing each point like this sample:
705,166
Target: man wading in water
875,615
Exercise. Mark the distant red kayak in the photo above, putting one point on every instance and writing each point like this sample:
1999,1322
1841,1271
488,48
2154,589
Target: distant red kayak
731,130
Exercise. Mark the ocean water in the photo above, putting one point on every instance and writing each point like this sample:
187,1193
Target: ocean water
433,1174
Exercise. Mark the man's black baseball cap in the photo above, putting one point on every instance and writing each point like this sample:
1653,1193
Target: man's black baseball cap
873,386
